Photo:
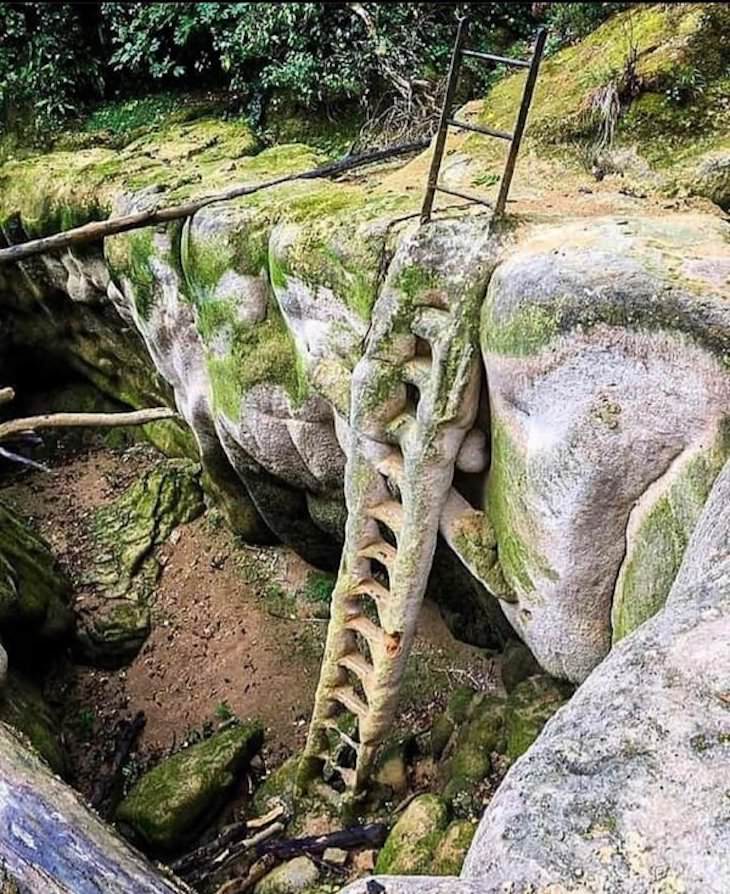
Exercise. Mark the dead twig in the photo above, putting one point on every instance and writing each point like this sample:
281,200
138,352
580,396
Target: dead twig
69,420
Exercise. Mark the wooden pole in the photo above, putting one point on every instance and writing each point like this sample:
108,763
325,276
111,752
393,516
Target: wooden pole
69,420
92,232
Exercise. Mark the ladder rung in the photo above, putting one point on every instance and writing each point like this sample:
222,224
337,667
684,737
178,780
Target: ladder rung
359,665
347,697
380,551
367,629
486,131
370,587
390,512
504,60
348,776
347,740
392,467
418,372
464,195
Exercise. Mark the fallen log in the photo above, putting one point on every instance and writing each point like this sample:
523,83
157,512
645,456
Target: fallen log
92,232
371,835
51,842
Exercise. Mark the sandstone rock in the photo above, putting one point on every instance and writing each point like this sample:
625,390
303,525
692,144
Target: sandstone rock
336,856
593,489
293,877
170,802
22,706
409,848
34,591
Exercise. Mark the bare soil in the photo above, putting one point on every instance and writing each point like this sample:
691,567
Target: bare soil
227,635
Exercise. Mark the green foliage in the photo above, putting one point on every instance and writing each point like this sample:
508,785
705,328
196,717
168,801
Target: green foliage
56,58
46,63
569,22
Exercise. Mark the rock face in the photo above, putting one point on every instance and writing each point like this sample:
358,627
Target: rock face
171,801
605,348
607,806
116,623
51,842
23,707
34,592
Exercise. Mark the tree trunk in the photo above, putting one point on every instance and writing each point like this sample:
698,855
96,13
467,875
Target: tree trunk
51,843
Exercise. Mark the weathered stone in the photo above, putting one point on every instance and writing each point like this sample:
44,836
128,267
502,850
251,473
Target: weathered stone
114,626
593,490
530,705
22,706
518,663
712,179
293,877
51,842
170,802
448,858
409,848
34,591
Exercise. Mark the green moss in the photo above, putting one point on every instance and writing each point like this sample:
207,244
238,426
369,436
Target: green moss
410,846
451,851
258,353
658,547
170,802
34,591
507,507
22,705
530,705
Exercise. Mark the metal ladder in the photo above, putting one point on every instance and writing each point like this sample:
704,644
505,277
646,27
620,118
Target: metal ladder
446,120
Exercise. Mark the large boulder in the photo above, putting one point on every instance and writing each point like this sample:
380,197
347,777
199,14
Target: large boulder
168,805
605,346
626,788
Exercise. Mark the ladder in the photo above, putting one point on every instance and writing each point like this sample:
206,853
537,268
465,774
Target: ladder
447,120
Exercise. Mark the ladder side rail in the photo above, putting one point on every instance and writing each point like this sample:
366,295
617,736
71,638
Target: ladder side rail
440,143
514,148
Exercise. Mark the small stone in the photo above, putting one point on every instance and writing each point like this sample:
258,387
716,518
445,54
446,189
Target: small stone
289,878
363,862
336,855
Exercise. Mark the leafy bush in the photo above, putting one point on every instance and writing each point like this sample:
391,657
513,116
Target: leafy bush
56,58
45,64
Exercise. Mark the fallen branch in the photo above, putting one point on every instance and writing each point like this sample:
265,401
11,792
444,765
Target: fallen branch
231,854
207,853
128,732
70,420
92,232
372,835
259,869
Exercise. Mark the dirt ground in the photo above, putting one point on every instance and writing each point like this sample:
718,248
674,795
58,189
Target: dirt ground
226,638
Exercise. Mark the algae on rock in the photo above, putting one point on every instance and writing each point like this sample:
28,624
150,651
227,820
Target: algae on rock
171,802
125,571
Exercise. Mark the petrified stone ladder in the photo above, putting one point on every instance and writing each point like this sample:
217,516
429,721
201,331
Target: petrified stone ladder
414,396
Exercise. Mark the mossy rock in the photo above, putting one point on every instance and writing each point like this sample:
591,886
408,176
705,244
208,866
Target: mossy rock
171,802
278,786
478,737
450,852
34,591
293,877
22,705
518,663
529,707
113,626
410,847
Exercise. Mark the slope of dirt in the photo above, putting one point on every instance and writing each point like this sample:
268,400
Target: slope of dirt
230,636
